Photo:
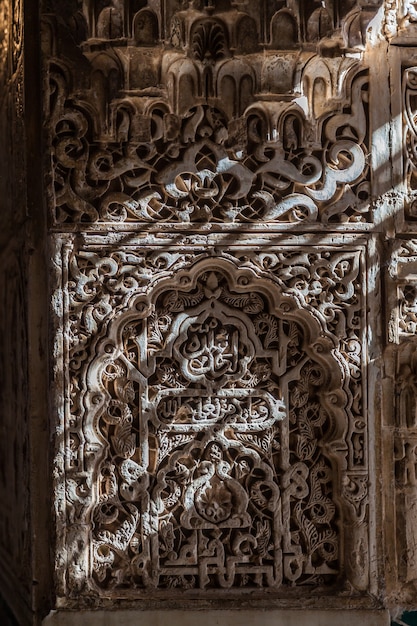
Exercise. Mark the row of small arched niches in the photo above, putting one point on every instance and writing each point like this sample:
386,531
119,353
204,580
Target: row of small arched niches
243,33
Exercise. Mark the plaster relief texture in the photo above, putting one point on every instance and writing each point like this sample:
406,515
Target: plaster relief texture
219,376
230,190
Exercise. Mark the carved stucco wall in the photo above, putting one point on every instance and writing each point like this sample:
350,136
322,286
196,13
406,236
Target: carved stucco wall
230,190
213,437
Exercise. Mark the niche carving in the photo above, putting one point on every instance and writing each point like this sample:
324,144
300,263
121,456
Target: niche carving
216,440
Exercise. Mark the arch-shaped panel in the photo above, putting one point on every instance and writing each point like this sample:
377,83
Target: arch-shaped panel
200,382
246,92
227,91
145,28
319,95
236,85
246,34
355,26
284,30
110,23
318,86
319,24
291,130
183,84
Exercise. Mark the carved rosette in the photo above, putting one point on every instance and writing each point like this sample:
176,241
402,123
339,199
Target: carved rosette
216,431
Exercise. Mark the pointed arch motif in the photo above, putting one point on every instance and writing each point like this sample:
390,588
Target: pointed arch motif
218,409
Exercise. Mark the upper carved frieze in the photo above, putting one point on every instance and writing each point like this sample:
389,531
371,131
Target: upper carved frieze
238,26
213,151
219,112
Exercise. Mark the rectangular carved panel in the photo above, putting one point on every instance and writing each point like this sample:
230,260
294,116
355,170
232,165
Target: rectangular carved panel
216,429
403,427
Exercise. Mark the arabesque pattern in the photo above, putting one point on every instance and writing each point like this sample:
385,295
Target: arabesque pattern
213,440
204,167
199,127
217,398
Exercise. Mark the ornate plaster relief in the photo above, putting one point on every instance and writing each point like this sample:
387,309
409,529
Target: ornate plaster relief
217,212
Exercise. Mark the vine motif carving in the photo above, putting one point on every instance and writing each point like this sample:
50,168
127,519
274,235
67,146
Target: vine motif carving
405,454
405,462
205,132
407,297
205,167
211,408
403,273
404,439
403,270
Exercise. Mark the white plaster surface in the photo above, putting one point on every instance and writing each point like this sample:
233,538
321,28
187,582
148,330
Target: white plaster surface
218,618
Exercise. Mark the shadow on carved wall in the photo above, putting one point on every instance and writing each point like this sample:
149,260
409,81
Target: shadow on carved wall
220,163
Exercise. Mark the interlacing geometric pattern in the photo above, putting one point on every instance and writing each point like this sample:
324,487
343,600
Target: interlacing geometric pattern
194,168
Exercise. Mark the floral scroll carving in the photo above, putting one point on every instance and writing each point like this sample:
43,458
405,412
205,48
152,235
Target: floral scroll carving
409,102
212,402
404,440
205,132
221,177
409,98
403,272
405,447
